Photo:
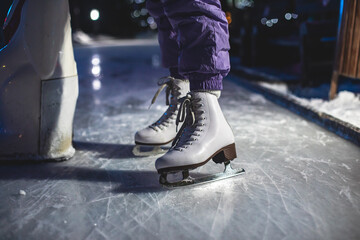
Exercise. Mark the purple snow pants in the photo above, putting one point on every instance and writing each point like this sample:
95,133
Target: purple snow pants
194,40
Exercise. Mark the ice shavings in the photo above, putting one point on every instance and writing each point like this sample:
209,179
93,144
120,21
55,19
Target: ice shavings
22,192
257,98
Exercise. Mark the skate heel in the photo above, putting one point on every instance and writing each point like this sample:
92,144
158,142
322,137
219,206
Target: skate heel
226,154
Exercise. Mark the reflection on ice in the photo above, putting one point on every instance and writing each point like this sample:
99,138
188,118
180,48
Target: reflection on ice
155,60
96,70
96,84
95,60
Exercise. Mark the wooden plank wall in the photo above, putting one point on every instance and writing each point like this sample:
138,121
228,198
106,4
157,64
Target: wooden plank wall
349,40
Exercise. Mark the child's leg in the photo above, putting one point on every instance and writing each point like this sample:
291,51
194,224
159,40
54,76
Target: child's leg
163,130
167,37
203,40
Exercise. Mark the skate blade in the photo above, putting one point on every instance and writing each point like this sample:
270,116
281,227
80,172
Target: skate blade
155,151
229,172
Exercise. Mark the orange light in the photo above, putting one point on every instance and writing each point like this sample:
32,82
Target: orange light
228,17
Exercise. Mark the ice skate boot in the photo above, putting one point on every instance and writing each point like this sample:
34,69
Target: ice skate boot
205,135
163,131
38,82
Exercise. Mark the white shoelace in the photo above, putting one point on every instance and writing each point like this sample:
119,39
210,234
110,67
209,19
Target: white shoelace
172,93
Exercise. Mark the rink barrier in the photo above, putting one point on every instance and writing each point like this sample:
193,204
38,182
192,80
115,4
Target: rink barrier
341,128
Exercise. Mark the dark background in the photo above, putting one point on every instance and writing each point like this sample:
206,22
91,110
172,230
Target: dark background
301,47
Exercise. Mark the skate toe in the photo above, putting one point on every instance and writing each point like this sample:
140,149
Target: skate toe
163,163
170,163
144,136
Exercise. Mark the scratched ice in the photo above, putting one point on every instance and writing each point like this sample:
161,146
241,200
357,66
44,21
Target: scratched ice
302,182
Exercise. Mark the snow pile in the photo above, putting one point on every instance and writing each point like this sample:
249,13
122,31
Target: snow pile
277,87
346,106
81,37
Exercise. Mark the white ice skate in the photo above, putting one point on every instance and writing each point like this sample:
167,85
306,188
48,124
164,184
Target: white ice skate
163,131
205,135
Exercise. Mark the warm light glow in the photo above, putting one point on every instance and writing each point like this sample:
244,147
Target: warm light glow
94,14
228,17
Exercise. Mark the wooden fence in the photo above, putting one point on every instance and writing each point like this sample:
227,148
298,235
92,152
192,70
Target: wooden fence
347,61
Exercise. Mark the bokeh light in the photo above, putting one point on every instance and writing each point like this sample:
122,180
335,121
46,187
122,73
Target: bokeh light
94,14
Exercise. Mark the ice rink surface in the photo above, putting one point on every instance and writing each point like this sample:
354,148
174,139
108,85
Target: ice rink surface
301,181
